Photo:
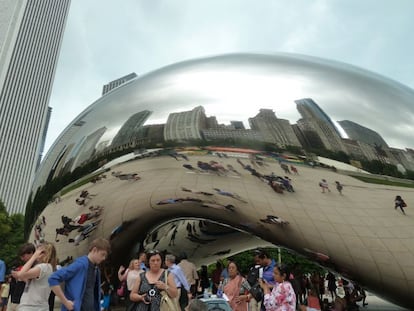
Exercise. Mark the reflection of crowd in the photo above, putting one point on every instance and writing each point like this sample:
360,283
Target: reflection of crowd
126,176
278,183
39,226
81,224
84,223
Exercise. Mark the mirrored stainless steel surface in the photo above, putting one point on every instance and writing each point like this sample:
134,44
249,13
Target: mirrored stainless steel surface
207,140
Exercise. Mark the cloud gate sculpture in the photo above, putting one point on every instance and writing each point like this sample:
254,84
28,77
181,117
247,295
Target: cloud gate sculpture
219,155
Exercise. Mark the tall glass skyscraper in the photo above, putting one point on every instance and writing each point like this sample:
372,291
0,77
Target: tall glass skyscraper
31,33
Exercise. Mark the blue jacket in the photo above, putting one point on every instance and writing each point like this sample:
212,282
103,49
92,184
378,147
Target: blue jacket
74,277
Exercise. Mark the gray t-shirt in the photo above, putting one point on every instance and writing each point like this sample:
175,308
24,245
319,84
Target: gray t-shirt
88,300
36,293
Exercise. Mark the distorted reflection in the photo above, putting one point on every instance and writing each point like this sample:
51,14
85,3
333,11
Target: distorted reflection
280,147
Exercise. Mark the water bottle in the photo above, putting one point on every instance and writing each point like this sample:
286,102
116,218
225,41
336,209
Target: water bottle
205,294
220,290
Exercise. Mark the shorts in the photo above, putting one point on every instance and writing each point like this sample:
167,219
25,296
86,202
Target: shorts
4,301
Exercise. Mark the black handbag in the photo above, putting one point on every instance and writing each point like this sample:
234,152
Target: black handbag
257,292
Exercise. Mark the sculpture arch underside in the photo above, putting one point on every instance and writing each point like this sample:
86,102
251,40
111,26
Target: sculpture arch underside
170,203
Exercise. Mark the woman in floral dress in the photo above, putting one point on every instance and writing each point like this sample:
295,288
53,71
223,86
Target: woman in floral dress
282,297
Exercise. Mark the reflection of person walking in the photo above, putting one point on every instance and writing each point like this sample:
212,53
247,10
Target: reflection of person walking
324,185
399,202
339,187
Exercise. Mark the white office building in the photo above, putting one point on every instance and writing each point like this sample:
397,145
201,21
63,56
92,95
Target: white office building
31,33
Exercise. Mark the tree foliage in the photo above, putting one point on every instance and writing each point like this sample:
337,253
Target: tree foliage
245,260
11,232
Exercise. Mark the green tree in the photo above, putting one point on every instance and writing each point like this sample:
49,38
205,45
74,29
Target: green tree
11,231
5,225
246,259
409,174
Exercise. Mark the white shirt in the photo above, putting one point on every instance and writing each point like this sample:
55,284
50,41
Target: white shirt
37,291
131,278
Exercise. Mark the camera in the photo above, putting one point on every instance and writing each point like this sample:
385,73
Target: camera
152,292
150,295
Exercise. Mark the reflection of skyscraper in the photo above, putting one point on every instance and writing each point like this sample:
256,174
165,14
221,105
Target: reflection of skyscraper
225,133
87,148
274,130
57,155
185,124
153,133
30,38
130,128
114,84
362,133
315,119
238,125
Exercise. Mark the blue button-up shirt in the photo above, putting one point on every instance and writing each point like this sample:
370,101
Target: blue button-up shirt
179,277
268,273
2,270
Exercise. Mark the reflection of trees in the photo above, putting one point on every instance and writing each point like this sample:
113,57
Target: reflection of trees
334,155
378,167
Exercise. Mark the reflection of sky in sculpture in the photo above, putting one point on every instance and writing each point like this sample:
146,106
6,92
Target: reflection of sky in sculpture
235,87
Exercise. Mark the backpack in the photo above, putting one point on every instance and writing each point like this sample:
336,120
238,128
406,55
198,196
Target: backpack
252,276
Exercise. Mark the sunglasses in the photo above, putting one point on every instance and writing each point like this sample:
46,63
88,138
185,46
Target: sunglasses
153,252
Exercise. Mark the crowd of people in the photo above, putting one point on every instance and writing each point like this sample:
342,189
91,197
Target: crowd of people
266,286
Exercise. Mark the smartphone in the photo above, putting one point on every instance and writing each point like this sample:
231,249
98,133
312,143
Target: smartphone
261,273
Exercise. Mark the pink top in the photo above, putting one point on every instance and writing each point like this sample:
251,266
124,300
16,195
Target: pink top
313,302
282,298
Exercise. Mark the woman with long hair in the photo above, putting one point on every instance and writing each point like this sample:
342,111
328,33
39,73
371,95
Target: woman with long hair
236,288
282,297
146,291
35,273
134,269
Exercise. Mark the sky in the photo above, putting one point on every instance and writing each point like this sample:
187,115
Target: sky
105,39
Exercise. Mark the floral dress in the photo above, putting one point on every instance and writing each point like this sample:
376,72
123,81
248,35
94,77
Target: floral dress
282,298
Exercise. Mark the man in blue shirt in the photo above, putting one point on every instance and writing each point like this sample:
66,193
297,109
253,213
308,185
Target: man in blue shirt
179,278
2,271
266,263
82,279
142,258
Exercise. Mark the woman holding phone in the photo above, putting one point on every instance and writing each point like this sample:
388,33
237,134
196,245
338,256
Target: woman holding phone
282,297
